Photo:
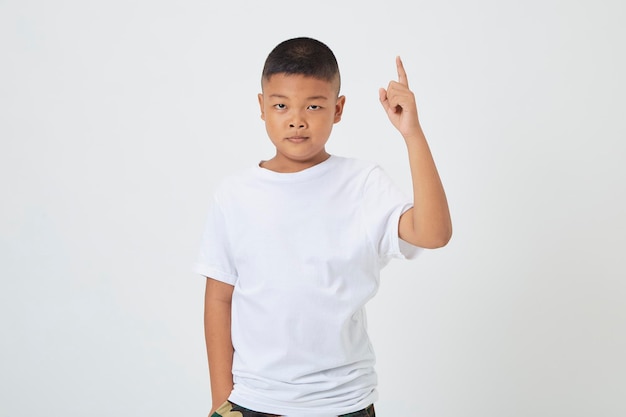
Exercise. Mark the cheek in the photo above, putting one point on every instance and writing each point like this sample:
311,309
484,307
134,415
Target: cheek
274,118
272,126
329,122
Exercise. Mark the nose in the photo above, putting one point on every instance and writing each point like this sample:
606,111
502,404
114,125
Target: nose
297,121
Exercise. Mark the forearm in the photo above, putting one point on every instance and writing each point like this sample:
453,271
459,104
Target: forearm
430,217
217,320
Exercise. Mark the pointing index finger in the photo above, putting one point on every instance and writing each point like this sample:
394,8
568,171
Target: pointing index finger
402,79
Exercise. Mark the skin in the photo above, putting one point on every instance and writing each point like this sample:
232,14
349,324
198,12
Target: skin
428,223
299,114
217,310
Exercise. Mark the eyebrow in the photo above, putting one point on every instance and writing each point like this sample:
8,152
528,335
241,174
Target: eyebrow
308,98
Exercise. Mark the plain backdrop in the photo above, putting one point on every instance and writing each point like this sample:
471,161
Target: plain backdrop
118,118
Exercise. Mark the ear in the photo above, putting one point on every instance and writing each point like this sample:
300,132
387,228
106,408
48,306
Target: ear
261,106
341,101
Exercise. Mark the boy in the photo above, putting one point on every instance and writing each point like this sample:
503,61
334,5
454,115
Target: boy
293,247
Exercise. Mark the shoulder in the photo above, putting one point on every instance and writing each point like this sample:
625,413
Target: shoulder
360,175
355,166
234,183
368,173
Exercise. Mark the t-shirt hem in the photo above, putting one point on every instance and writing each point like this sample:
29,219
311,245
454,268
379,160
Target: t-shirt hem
285,411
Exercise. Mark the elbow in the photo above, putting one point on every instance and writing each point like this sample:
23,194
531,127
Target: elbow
437,240
442,242
436,244
428,234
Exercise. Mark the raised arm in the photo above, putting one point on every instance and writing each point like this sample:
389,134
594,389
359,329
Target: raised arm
428,223
219,346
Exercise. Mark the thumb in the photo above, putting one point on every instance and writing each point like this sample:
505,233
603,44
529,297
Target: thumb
384,100
382,96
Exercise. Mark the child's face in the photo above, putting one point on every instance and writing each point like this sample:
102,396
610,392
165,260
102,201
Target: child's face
299,114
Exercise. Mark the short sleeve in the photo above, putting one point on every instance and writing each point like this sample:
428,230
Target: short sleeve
383,204
215,258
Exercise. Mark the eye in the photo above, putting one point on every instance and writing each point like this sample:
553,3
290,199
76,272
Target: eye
314,107
280,106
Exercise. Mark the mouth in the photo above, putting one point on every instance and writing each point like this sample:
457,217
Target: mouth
297,139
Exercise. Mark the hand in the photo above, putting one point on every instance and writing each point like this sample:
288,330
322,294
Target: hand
399,103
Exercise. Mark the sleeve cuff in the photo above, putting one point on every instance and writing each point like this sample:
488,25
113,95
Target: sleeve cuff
209,272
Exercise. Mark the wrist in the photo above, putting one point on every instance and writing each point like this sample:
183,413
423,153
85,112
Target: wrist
414,133
414,137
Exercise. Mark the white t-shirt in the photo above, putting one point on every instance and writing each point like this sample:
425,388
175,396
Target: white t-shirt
303,251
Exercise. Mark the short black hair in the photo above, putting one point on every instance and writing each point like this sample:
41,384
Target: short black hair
302,56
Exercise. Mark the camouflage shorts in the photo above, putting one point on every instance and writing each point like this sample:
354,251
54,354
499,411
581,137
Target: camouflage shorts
229,409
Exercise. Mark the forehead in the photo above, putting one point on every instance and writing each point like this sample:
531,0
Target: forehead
298,84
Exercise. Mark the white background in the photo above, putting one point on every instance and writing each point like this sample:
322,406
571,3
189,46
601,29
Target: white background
117,119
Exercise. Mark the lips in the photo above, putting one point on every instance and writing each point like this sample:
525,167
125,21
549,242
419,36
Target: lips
297,139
